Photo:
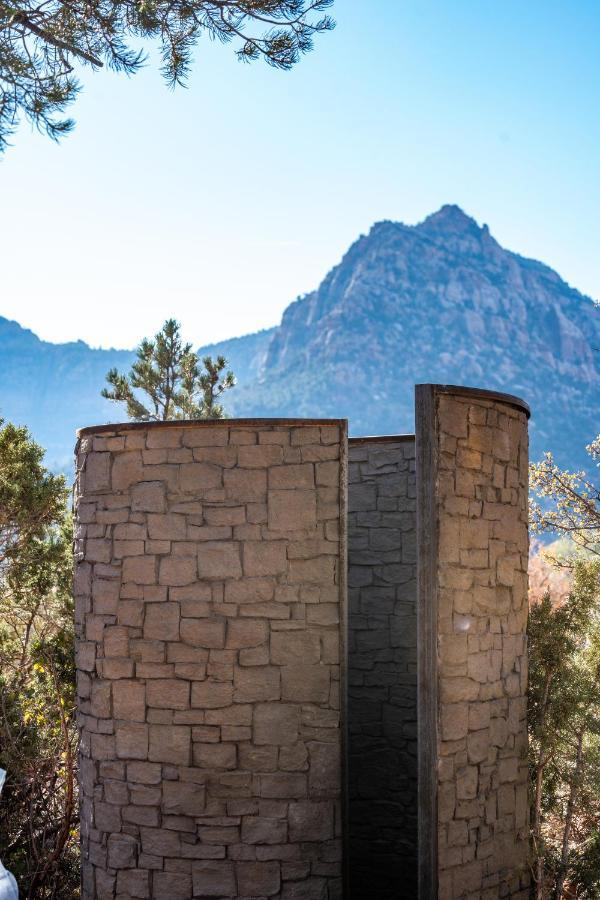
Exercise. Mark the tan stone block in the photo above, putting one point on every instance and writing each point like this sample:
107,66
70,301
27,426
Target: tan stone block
178,570
320,570
219,559
200,477
478,745
324,775
292,477
263,830
168,527
455,690
161,621
474,534
122,851
258,879
264,558
116,641
258,683
160,842
129,700
260,456
168,693
133,883
132,741
466,782
218,516
206,633
139,569
275,723
479,667
105,596
305,683
144,772
170,744
288,648
479,716
245,485
214,879
127,469
254,656
454,721
206,435
250,590
127,548
97,472
468,459
215,756
246,633
98,550
211,694
291,511
148,496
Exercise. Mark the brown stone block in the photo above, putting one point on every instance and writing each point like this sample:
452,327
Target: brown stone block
245,485
250,590
264,558
161,621
324,776
133,883
214,879
100,698
320,570
263,830
305,683
171,886
200,477
260,456
275,723
246,633
131,741
129,700
168,693
219,559
148,496
178,570
160,842
310,821
215,756
205,633
258,683
292,477
211,694
139,569
283,785
144,772
257,759
184,798
295,511
288,648
122,851
258,879
454,721
170,744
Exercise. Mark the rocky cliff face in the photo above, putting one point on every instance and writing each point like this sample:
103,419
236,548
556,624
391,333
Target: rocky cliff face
441,301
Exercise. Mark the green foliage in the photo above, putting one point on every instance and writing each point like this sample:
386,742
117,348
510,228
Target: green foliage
564,704
40,43
169,373
38,811
567,503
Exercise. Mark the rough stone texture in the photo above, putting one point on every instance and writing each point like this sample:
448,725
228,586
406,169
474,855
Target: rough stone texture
382,668
478,489
209,595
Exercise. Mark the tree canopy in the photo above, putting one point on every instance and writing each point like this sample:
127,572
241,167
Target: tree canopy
169,373
41,43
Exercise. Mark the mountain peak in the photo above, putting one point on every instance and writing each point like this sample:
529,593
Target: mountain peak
450,219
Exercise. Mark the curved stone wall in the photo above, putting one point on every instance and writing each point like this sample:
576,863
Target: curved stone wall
472,560
209,591
382,667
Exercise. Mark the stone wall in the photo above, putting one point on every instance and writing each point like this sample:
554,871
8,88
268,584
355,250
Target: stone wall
209,591
473,548
382,668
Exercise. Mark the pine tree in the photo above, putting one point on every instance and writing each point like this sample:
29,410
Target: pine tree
42,43
176,386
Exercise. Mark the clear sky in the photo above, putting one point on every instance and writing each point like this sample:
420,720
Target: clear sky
221,203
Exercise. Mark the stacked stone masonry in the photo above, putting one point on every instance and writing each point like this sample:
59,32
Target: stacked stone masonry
209,590
234,744
479,492
382,668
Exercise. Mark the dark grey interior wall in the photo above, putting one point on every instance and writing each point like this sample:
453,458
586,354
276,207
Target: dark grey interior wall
382,668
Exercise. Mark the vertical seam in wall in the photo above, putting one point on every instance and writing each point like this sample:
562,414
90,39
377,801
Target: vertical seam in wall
427,628
343,595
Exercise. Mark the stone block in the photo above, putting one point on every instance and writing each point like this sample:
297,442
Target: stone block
170,744
288,648
148,496
260,456
211,694
324,774
255,684
214,878
129,700
310,821
246,633
171,886
305,683
122,851
275,723
264,558
183,798
283,785
205,633
139,569
258,879
161,621
245,485
168,693
219,560
178,570
295,511
131,741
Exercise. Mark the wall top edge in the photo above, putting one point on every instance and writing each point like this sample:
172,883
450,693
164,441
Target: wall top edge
480,394
207,423
381,439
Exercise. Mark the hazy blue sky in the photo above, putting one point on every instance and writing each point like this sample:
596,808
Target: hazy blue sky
221,203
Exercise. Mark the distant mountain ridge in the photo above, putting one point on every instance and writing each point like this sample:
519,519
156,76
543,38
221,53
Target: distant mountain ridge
441,301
